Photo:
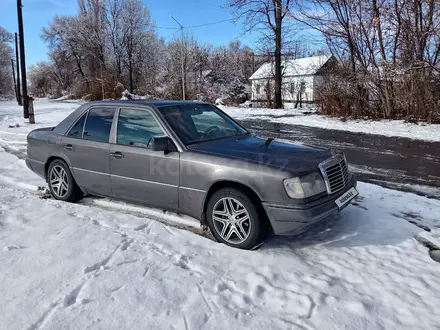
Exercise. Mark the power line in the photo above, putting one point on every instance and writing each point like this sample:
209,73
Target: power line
192,26
213,23
164,27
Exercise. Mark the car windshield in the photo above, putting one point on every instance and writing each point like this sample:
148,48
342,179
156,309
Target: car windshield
195,123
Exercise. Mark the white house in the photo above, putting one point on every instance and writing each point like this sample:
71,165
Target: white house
301,78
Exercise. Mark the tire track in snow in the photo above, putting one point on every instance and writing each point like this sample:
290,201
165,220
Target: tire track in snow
185,321
146,270
126,244
46,315
204,298
71,298
123,246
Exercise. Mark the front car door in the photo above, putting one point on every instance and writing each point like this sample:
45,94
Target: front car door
137,173
86,147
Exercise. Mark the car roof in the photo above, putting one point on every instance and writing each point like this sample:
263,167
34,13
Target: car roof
64,125
155,103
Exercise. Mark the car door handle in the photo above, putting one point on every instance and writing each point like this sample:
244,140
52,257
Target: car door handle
68,147
117,155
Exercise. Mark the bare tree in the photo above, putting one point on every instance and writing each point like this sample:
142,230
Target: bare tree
5,62
391,48
269,18
112,45
41,77
66,49
137,32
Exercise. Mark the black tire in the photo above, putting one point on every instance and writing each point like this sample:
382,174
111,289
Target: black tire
73,193
259,225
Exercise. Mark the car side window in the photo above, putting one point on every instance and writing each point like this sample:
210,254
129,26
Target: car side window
137,127
98,124
76,130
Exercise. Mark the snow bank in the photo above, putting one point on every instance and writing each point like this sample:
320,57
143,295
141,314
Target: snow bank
398,128
126,95
5,98
89,267
64,98
47,113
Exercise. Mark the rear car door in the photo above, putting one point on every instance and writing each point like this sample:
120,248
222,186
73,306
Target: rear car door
138,173
86,146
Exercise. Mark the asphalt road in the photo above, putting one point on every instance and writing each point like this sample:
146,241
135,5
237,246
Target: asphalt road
397,163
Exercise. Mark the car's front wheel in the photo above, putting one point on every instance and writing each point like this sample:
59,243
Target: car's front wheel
62,185
235,219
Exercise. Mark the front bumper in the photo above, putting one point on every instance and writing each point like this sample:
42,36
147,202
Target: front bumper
295,219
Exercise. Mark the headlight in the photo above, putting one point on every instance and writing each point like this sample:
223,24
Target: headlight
293,188
305,186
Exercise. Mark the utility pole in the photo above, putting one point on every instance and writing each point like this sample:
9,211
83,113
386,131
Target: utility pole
182,56
26,112
13,76
17,62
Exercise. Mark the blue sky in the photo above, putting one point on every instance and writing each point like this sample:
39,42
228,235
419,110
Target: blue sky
38,13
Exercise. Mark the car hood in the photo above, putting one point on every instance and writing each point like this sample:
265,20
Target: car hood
284,155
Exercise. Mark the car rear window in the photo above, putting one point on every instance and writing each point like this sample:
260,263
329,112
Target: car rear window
98,124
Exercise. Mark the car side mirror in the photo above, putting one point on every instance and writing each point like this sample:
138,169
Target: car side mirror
162,143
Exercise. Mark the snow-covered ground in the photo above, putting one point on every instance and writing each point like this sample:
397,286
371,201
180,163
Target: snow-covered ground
106,265
398,128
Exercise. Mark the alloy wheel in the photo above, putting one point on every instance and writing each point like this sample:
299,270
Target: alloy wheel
59,181
231,220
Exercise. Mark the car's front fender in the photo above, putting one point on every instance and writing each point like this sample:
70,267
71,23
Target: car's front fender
200,171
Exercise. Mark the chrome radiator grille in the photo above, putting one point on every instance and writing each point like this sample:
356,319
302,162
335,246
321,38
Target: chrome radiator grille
335,173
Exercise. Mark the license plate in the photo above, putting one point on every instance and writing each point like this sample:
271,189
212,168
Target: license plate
347,197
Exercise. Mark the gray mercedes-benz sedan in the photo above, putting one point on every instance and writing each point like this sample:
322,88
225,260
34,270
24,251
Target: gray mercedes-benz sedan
191,158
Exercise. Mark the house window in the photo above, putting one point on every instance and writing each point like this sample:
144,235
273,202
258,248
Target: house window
292,88
257,88
303,86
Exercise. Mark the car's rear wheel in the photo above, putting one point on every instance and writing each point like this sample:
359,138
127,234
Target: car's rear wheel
62,185
235,219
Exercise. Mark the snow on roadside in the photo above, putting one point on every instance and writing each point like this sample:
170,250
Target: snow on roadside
47,113
150,212
15,173
106,265
14,128
89,267
398,128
